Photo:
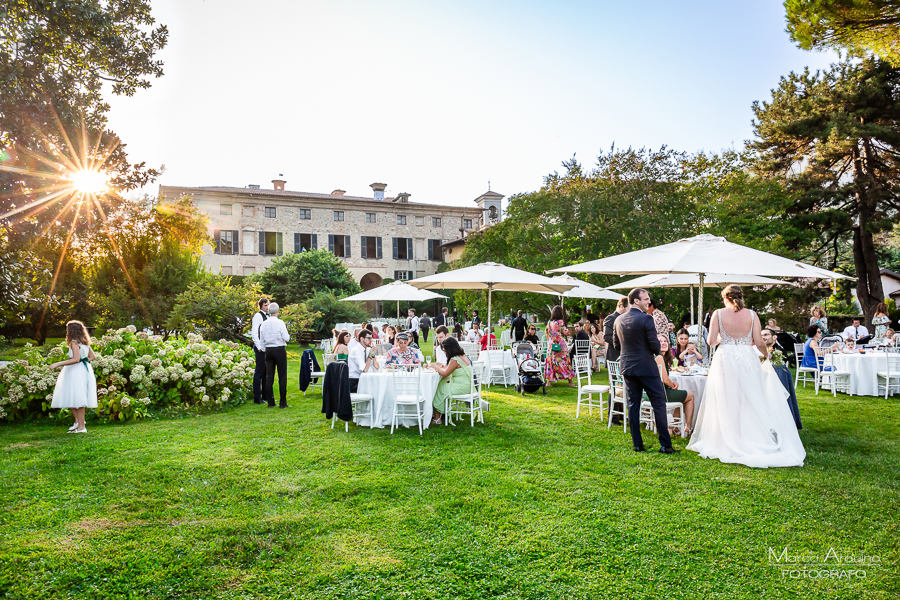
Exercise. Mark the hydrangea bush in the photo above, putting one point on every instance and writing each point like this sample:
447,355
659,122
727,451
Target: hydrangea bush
135,371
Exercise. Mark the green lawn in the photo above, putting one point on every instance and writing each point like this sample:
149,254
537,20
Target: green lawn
268,503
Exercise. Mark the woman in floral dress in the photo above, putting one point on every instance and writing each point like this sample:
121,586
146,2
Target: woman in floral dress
881,320
558,365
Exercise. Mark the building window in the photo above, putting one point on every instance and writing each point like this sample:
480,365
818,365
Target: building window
225,270
249,270
420,221
224,209
434,250
338,215
305,241
270,212
339,245
403,249
435,221
403,275
305,214
370,217
247,211
270,243
370,247
467,223
401,219
226,241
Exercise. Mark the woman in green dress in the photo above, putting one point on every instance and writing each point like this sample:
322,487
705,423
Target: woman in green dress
340,348
456,377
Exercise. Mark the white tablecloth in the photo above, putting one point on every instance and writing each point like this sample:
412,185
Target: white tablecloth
381,387
863,369
691,383
494,357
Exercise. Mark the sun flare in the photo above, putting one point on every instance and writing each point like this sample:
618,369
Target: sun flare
90,182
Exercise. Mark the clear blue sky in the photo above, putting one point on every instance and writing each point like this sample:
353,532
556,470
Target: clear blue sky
437,98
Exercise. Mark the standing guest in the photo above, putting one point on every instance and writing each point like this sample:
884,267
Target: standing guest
441,333
403,354
660,320
425,326
819,318
341,350
612,353
76,386
881,320
638,342
361,359
856,331
456,316
475,317
673,394
558,366
531,337
596,345
458,332
772,326
474,334
456,378
412,326
274,336
518,327
259,350
440,319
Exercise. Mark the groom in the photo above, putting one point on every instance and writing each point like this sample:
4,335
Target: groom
636,339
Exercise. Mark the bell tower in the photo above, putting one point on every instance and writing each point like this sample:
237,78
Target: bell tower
491,205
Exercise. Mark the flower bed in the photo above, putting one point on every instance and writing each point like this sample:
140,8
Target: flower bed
135,372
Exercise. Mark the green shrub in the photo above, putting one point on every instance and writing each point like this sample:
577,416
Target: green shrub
331,310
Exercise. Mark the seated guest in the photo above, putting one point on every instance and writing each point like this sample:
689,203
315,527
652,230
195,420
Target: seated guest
456,378
391,335
597,344
474,334
690,356
440,334
888,338
682,339
531,337
458,332
773,326
361,359
402,354
673,394
850,346
485,340
581,333
340,348
355,340
856,331
811,348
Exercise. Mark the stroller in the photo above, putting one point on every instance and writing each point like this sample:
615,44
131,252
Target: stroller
785,341
531,376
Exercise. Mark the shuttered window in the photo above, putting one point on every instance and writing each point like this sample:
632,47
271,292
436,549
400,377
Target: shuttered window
403,248
226,241
305,241
339,245
271,243
370,247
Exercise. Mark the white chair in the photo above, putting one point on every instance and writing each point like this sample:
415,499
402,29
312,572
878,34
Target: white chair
892,373
314,375
407,386
328,359
468,404
357,401
495,361
831,378
676,422
803,373
586,389
472,350
583,347
617,391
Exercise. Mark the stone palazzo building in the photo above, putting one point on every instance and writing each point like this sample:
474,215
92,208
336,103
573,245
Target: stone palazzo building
377,238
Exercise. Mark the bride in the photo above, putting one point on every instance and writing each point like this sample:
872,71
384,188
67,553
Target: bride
744,417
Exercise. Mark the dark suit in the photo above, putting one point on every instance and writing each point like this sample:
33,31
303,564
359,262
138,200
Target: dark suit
609,332
518,328
439,320
637,342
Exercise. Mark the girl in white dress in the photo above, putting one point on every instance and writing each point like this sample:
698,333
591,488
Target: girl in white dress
744,416
76,387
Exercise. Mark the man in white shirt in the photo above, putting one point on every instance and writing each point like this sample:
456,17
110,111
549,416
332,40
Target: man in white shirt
440,334
361,358
856,331
474,334
259,351
412,326
274,337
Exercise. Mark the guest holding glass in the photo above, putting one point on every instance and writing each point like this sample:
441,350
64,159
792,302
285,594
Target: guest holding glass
819,318
558,365
881,320
361,359
456,378
474,334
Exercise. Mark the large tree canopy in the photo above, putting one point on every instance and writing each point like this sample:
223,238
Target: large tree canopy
294,278
859,26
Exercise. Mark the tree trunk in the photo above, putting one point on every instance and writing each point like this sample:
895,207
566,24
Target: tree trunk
868,288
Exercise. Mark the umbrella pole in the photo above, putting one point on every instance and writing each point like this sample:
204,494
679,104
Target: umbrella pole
490,289
692,304
702,340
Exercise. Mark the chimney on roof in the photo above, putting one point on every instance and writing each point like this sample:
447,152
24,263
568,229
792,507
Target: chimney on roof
378,188
402,197
338,192
279,183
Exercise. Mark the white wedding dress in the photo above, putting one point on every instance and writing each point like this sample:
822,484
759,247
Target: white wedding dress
744,416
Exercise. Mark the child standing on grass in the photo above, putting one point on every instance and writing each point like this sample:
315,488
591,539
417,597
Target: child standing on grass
76,387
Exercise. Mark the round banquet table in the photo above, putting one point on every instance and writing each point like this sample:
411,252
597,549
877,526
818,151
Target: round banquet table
691,383
499,357
380,386
863,369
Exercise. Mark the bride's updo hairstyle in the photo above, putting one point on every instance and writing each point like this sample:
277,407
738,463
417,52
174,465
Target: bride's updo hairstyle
734,296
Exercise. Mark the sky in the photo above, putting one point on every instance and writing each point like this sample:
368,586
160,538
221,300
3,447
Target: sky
442,99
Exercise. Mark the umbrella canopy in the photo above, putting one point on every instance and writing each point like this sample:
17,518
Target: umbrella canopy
701,254
394,291
691,279
583,289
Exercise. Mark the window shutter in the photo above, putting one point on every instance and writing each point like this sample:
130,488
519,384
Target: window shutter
409,253
378,244
430,250
262,242
347,246
315,242
235,248
217,248
279,246
396,248
331,243
296,243
409,275
363,252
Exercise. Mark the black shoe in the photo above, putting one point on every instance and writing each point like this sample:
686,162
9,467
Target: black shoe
669,450
284,406
639,449
271,406
259,402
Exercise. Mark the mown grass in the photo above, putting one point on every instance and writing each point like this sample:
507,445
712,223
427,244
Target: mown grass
269,503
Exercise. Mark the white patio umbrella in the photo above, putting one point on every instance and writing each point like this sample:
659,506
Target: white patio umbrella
492,276
701,255
583,289
398,291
